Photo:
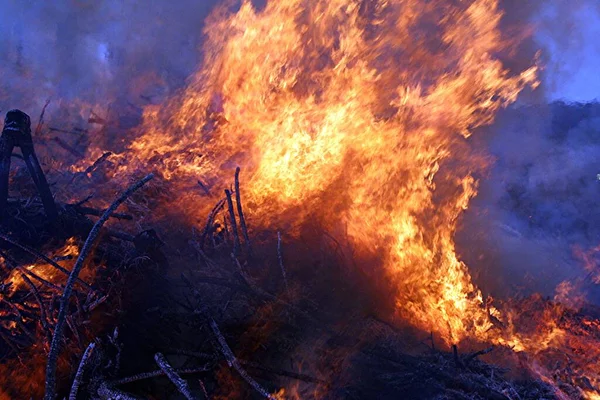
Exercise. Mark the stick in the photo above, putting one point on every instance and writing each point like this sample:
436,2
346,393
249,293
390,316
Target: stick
67,147
478,353
96,163
233,362
92,211
19,319
209,221
236,236
38,128
80,369
280,258
238,201
154,374
43,313
457,360
107,392
178,381
64,301
39,278
203,187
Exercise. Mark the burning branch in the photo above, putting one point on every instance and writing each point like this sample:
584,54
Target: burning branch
62,314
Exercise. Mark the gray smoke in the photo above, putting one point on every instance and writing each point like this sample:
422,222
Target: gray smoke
538,204
95,51
540,201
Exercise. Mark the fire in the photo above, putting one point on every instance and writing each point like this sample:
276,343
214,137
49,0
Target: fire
68,253
356,114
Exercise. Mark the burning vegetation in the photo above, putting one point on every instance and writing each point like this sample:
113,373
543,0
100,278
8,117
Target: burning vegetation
294,234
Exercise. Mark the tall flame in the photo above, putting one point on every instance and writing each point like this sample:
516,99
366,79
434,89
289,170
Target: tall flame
356,113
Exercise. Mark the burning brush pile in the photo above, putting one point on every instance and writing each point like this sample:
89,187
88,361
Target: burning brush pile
287,223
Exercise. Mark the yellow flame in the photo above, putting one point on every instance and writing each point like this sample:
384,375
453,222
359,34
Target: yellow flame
356,115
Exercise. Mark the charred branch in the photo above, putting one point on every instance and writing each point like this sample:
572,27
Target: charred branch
240,211
80,370
233,362
62,314
174,377
236,236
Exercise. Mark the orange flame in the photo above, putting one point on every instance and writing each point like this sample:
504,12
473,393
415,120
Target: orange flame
356,115
70,251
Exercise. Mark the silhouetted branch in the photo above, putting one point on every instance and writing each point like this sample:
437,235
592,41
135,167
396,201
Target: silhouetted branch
64,302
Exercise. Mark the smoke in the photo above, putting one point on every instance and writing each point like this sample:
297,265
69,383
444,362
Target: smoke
537,206
96,52
539,203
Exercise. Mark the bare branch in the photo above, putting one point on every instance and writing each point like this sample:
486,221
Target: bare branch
238,201
178,381
233,362
236,236
64,302
80,369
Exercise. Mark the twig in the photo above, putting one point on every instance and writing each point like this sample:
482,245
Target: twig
236,237
203,187
64,301
82,202
80,369
19,319
68,147
289,374
280,258
107,392
178,381
238,201
233,362
92,211
38,128
457,360
96,163
43,313
42,257
471,357
154,374
210,219
39,278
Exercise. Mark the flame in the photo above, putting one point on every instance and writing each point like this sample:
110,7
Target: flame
69,252
356,114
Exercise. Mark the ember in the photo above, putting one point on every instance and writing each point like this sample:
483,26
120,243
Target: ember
289,221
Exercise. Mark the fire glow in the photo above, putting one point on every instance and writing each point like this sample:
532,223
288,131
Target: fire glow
358,115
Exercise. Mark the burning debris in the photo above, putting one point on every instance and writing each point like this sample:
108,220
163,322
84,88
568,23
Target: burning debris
296,237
